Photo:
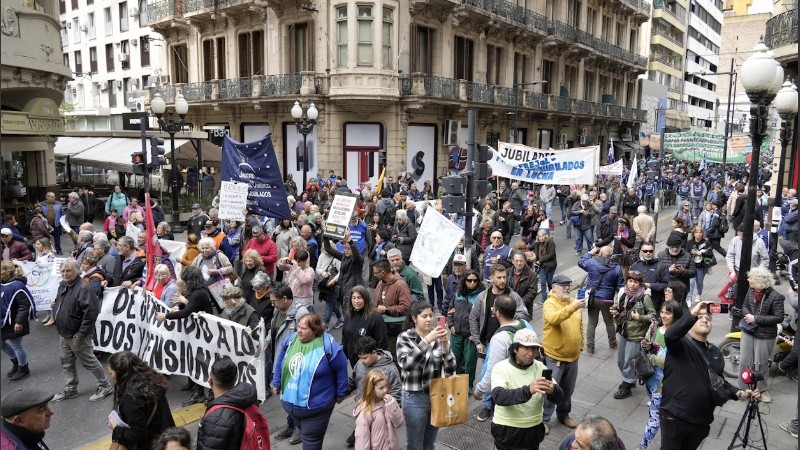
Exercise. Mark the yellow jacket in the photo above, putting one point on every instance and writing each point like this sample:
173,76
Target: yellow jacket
562,338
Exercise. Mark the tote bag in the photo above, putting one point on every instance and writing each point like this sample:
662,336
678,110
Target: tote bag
449,400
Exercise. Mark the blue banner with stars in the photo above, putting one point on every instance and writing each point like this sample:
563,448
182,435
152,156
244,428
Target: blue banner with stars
255,163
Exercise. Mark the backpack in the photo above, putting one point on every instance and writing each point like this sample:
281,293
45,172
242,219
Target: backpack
256,429
388,214
723,224
512,329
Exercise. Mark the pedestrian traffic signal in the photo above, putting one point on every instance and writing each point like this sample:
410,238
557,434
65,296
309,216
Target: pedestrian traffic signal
382,157
653,169
138,161
453,200
484,154
157,152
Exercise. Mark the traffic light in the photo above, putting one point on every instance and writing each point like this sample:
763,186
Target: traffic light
481,186
653,169
157,152
138,161
382,157
453,200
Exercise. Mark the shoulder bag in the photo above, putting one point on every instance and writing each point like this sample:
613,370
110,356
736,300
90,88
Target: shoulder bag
118,446
719,392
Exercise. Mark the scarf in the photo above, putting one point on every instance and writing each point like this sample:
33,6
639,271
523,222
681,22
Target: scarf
8,291
624,233
634,294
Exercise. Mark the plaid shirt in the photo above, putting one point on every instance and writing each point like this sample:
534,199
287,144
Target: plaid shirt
420,363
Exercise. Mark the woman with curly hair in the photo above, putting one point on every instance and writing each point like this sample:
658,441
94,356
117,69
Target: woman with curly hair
140,400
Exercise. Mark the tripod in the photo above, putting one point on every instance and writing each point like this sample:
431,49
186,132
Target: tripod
750,413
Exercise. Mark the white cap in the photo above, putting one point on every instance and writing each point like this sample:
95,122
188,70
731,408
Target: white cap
6,231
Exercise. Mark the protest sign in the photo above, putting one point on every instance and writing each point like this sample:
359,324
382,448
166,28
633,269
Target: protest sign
233,200
42,282
188,347
65,225
255,163
132,231
436,240
338,219
614,168
695,145
557,167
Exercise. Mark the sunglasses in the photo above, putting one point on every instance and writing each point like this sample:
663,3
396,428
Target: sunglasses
648,251
497,237
472,280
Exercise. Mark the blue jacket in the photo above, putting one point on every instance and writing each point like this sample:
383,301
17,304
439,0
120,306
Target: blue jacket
58,208
605,277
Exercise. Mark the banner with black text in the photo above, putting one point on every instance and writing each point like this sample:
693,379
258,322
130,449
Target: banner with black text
556,167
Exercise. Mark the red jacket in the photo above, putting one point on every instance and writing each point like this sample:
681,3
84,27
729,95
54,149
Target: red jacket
268,251
17,250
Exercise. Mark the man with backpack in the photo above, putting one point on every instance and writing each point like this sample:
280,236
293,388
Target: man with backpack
233,419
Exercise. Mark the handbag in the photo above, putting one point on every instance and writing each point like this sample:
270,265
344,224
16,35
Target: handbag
449,400
118,446
747,326
719,391
642,366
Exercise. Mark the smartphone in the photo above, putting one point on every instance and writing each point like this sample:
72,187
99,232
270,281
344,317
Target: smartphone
441,322
548,374
719,308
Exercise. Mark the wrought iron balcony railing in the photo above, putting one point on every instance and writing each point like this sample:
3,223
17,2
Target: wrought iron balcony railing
782,29
281,84
197,91
512,12
236,88
167,92
441,87
161,10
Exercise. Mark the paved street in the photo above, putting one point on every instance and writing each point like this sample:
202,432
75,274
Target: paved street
78,423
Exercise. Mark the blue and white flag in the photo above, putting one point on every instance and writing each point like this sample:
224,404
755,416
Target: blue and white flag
256,163
610,151
703,164
633,175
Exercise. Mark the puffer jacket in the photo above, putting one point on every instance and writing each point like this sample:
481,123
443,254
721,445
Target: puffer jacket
604,276
635,330
463,306
526,284
684,259
386,365
768,313
376,431
223,428
20,310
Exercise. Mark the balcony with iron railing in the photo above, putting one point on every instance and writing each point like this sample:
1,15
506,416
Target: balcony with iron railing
164,10
671,61
672,37
781,30
679,14
639,7
262,87
513,13
570,34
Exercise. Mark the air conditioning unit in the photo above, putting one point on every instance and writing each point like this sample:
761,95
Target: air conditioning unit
84,27
102,85
452,132
562,140
134,11
163,79
123,57
134,42
118,84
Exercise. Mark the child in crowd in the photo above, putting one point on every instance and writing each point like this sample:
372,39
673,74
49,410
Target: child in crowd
377,415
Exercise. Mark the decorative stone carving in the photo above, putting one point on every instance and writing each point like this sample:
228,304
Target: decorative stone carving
9,22
46,49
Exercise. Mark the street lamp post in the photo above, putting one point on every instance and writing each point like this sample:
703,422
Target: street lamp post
786,103
762,77
158,107
305,125
732,83
516,105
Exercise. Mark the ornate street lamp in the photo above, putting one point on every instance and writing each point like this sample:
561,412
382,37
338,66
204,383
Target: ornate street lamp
762,77
158,107
305,125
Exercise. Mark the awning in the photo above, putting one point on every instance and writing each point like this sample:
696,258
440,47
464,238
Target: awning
115,153
70,146
629,146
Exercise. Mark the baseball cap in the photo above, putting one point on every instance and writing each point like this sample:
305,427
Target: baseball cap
561,279
613,210
526,338
6,231
211,223
459,259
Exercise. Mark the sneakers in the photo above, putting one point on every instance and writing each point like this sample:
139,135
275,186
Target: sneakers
64,395
624,391
102,392
567,421
484,415
790,428
765,397
286,433
296,438
590,350
339,324
546,428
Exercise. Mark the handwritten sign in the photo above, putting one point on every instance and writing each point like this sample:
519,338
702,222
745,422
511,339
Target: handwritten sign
233,200
339,215
436,240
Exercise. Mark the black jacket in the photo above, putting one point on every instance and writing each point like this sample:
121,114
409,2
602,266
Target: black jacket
684,259
526,285
355,326
403,239
19,312
223,428
351,269
768,313
132,273
135,409
198,300
77,308
657,274
545,253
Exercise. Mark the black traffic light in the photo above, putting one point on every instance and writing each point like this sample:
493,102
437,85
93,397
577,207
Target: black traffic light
653,169
382,157
138,161
157,152
481,187
453,200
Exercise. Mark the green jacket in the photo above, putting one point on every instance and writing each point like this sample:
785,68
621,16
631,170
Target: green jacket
411,277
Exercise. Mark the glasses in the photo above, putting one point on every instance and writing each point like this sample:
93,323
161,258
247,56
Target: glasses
497,237
706,317
647,251
472,280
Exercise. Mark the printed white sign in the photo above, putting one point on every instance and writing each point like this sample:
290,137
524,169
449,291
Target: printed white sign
612,169
233,200
42,282
436,240
557,167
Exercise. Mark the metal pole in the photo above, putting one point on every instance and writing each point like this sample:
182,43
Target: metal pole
758,120
472,147
778,201
305,159
727,121
735,88
176,215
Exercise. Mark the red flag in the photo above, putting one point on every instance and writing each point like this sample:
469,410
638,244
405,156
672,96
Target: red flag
152,248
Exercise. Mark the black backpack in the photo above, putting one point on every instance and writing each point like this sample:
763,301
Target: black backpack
388,214
723,224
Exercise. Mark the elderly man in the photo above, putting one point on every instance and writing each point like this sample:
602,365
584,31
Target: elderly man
26,416
52,210
409,275
581,217
680,262
405,233
11,249
129,265
74,210
604,279
644,226
594,432
496,253
102,250
563,341
656,273
197,221
76,307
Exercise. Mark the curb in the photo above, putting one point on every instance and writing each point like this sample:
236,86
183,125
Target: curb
182,417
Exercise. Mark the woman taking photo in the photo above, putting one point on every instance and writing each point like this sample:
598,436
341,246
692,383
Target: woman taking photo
18,309
702,252
361,319
299,276
763,311
140,399
311,377
423,351
351,267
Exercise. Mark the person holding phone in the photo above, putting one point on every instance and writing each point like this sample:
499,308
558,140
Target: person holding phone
519,388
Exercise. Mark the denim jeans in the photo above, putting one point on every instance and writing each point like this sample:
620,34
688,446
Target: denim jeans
436,288
420,434
14,349
548,210
332,307
546,281
312,422
83,350
588,235
627,350
697,206
57,230
697,283
565,374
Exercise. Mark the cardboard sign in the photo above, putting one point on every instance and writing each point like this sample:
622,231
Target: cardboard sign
338,220
233,200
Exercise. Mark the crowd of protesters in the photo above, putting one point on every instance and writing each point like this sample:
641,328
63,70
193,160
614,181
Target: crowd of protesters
279,269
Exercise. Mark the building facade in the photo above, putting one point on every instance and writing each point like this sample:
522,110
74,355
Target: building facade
114,54
33,81
401,75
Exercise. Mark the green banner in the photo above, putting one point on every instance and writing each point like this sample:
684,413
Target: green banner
692,145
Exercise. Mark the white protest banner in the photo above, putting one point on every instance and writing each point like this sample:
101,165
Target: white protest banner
42,281
189,346
56,267
436,240
233,200
65,225
612,169
571,166
338,219
176,249
132,231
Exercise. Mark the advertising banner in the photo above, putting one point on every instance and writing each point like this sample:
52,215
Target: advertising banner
557,167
